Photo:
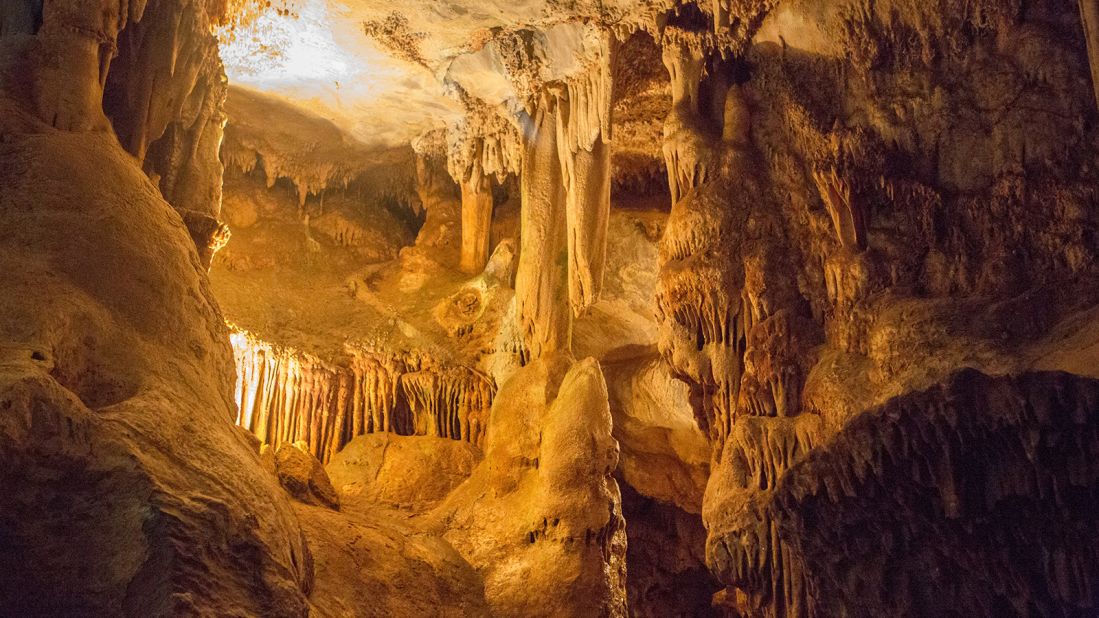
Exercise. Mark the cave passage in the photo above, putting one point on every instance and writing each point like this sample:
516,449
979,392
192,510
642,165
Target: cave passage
648,308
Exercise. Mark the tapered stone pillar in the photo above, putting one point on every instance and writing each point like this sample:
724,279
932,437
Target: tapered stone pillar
476,220
541,291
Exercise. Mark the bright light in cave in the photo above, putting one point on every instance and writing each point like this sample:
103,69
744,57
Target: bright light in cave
318,58
276,49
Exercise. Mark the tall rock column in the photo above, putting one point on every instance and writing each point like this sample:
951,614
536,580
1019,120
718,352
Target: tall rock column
566,204
480,145
704,328
476,219
734,323
540,286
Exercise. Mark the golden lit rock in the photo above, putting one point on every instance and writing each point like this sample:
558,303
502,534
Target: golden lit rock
775,308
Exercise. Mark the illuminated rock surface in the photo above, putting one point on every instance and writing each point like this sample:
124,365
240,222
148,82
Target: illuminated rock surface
773,308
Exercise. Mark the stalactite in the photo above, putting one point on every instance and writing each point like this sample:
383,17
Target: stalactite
565,188
166,66
451,404
734,324
476,219
688,140
286,396
745,547
441,234
482,134
540,280
164,96
584,136
847,212
309,151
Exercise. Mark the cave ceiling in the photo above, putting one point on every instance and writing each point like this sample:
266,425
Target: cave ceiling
385,73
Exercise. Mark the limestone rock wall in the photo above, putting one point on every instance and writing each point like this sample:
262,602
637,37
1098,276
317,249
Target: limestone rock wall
843,178
130,491
164,95
882,220
973,496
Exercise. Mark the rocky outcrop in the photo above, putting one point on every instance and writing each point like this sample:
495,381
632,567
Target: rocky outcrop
543,507
665,456
90,61
304,477
806,222
129,489
164,96
410,473
377,565
974,496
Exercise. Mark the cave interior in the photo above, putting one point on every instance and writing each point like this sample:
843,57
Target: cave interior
563,308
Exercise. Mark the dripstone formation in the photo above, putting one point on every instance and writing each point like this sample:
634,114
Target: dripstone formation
775,308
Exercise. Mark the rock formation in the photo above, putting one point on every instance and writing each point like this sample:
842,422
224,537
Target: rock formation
772,308
543,506
130,492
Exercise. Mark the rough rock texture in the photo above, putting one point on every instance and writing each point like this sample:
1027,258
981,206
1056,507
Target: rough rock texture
973,497
543,508
666,558
664,454
128,489
285,142
856,216
411,473
377,565
164,96
844,374
304,477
